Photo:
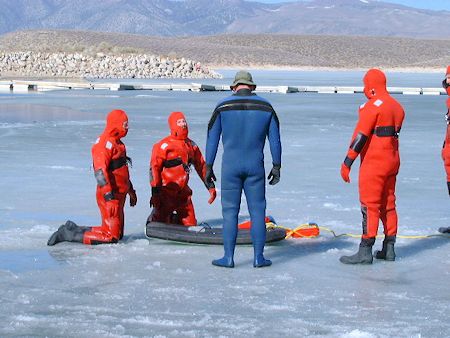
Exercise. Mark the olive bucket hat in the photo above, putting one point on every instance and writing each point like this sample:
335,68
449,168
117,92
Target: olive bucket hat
243,77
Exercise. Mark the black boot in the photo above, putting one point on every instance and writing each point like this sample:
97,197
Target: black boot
387,252
364,254
444,230
68,232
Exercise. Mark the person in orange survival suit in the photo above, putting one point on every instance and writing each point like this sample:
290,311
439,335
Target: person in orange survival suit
446,146
169,175
375,139
110,164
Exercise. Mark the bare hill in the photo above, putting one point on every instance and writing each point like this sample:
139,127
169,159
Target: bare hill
208,17
247,50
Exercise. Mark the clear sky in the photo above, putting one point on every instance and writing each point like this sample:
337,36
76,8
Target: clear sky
427,4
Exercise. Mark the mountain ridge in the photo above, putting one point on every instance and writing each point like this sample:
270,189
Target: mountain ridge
208,17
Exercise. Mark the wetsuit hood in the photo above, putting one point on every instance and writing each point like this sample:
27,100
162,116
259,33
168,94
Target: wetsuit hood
374,83
178,125
117,124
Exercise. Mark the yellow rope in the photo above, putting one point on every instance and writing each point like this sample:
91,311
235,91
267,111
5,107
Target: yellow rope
290,232
398,236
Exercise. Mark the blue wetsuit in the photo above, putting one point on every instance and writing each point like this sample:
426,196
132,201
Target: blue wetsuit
244,120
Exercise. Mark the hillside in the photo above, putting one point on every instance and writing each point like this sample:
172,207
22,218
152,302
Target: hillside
247,50
212,17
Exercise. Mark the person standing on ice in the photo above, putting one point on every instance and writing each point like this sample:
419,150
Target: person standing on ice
110,162
244,120
170,166
446,146
375,139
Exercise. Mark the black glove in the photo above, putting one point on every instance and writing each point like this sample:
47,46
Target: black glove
445,84
133,197
274,175
155,199
209,177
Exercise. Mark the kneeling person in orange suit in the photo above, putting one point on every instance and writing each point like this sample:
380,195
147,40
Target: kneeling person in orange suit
375,139
110,163
170,165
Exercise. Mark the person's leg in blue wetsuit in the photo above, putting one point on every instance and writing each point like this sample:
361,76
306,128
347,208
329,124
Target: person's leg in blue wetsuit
255,190
231,201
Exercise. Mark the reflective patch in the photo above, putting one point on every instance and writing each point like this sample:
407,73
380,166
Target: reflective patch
108,145
378,103
348,161
362,106
364,219
97,140
109,196
358,142
100,177
164,146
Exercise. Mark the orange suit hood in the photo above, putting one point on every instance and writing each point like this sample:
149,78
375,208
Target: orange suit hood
116,124
374,83
178,126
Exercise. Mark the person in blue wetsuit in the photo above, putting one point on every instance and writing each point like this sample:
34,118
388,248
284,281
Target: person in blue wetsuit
244,120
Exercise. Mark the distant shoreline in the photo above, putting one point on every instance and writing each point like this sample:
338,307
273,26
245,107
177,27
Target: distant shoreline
327,69
218,68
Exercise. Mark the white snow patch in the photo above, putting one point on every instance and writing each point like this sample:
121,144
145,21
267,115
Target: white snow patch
61,167
358,334
337,207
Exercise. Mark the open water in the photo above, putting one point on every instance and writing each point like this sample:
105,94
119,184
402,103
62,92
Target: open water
159,289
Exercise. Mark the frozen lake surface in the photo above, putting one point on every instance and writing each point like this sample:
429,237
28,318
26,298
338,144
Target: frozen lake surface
161,289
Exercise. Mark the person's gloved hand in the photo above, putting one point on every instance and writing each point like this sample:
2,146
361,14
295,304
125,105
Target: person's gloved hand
210,178
274,175
212,194
133,197
345,173
112,208
155,200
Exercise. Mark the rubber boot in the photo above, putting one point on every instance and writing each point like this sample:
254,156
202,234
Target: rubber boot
364,254
68,232
444,230
227,260
387,252
259,261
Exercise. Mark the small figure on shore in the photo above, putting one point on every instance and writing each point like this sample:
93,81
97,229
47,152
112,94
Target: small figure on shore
110,163
446,146
375,139
244,120
170,166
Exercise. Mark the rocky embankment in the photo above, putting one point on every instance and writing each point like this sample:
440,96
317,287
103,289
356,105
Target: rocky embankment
100,65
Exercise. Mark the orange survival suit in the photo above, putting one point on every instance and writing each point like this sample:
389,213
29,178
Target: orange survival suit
170,164
375,139
446,146
110,163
